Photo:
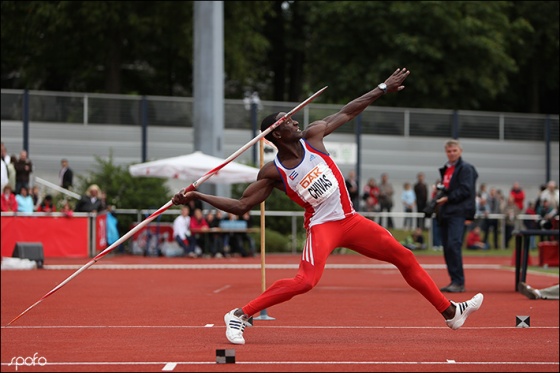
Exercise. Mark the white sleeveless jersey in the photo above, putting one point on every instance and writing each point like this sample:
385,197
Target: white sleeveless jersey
318,186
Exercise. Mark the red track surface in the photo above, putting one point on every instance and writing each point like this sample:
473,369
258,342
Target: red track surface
359,318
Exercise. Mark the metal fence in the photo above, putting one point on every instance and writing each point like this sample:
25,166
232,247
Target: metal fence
297,231
297,234
107,109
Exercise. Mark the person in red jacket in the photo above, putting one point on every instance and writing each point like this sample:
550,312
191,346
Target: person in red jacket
518,195
47,205
198,222
474,241
9,203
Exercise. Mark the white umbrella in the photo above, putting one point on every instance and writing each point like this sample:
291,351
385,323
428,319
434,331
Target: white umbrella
193,166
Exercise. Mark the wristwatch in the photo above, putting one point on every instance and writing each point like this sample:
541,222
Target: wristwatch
383,87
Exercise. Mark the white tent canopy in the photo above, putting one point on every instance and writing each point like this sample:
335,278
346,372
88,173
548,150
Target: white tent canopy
193,166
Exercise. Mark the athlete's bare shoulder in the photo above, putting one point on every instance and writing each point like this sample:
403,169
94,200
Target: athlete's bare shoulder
269,173
315,129
315,133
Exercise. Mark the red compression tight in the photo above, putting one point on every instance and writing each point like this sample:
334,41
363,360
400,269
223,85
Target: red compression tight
361,235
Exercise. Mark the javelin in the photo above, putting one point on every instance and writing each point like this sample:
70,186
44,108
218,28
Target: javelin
190,188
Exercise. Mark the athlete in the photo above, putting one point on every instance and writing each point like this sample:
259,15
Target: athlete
304,170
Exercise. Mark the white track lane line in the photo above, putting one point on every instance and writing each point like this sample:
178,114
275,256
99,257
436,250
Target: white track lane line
466,363
222,289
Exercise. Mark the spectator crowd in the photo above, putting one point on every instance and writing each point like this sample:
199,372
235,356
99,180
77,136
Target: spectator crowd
213,234
19,196
491,205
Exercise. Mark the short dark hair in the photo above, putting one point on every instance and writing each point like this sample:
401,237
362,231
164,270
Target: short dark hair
267,122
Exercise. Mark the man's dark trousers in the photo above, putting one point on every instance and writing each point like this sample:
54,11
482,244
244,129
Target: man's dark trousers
452,233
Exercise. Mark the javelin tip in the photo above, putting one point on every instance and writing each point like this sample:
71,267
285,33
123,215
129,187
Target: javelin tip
28,309
17,317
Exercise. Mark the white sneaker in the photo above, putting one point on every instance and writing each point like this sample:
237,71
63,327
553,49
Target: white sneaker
528,291
464,309
234,327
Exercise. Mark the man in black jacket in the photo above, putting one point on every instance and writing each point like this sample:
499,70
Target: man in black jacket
421,192
455,207
66,175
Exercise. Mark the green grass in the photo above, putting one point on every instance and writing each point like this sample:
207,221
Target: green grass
400,235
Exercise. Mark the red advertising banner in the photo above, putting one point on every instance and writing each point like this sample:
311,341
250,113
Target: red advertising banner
61,236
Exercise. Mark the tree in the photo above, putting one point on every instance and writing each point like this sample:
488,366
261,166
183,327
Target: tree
534,88
468,55
457,51
245,47
141,47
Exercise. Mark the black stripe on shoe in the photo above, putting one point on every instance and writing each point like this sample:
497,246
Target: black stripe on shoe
234,324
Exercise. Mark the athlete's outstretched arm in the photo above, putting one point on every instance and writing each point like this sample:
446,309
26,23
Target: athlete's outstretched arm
356,106
254,194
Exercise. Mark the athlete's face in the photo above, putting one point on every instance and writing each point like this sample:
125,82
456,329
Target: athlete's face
289,127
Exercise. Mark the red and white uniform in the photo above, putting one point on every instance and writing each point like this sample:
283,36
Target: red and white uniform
318,186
